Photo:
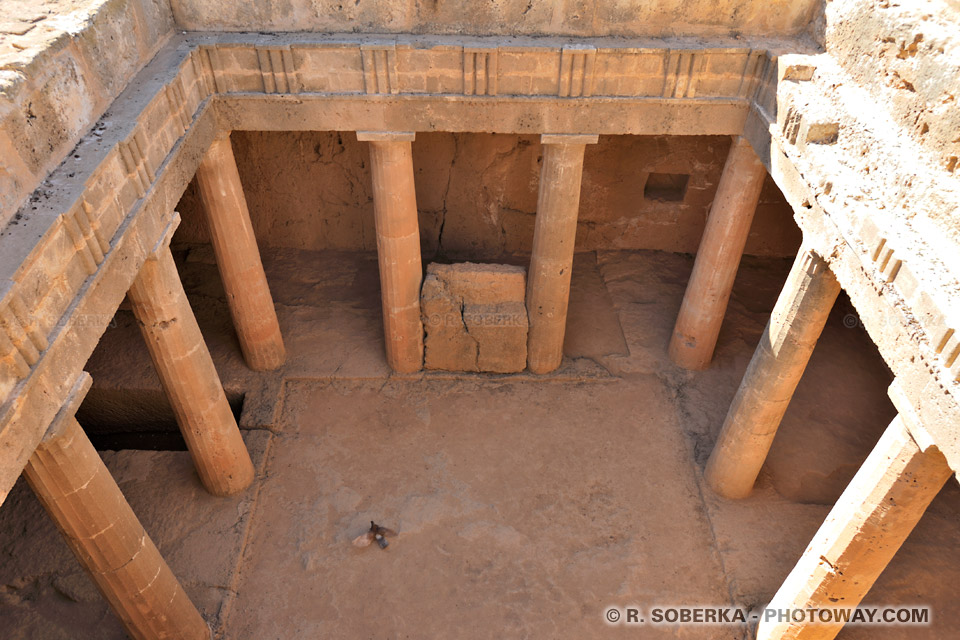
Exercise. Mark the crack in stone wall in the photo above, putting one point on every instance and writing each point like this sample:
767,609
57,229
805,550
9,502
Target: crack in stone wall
477,194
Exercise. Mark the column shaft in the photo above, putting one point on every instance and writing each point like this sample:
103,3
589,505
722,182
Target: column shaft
398,247
101,529
864,530
189,377
551,261
238,258
772,376
718,256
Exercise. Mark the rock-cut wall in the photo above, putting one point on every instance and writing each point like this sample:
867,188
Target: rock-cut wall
60,68
506,17
477,194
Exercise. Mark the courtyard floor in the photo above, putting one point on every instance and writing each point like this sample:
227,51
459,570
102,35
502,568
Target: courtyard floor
525,505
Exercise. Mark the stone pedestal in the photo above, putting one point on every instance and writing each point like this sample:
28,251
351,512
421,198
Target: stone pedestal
238,258
551,261
718,256
475,317
398,246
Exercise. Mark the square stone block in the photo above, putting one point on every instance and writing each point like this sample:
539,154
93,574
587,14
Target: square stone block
475,317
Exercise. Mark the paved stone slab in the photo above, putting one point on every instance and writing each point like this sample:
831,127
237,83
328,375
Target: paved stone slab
524,519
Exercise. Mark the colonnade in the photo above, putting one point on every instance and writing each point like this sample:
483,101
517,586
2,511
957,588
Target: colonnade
894,486
869,523
398,247
67,474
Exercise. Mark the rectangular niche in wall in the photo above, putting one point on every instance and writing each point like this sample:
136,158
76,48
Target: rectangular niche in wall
666,187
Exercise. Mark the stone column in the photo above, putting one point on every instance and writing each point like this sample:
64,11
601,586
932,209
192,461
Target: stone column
718,256
398,246
772,376
864,530
551,262
101,529
238,258
188,375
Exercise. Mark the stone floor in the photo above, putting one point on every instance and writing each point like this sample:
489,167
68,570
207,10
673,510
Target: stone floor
525,506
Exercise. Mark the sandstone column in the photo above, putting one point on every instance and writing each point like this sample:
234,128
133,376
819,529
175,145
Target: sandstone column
772,376
101,529
398,246
864,530
238,257
548,282
189,376
718,256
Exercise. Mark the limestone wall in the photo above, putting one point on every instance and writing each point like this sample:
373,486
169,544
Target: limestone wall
507,17
906,54
477,193
862,140
61,69
902,65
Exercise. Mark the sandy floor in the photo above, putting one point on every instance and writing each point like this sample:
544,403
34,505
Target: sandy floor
525,506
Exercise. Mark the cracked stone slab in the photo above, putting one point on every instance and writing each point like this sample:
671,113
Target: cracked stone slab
475,317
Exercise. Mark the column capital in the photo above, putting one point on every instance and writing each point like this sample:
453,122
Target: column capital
70,405
165,237
908,415
569,138
386,136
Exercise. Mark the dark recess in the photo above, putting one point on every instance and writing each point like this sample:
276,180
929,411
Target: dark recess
666,187
135,419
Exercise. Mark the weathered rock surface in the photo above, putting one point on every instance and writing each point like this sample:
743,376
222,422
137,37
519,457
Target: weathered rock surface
311,190
475,317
